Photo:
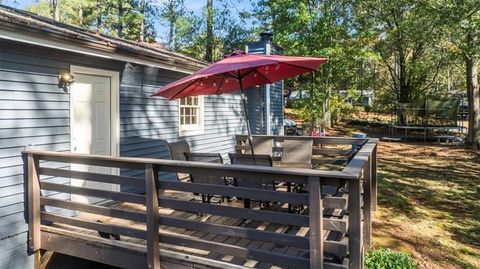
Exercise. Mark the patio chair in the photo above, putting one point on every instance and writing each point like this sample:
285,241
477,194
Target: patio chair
177,152
206,179
249,159
297,151
261,145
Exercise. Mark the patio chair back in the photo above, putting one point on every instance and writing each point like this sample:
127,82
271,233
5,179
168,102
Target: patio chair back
297,151
177,152
261,145
205,157
249,159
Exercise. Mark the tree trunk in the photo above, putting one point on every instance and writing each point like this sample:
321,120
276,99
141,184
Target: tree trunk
80,15
56,9
120,19
142,24
171,21
99,15
473,94
209,41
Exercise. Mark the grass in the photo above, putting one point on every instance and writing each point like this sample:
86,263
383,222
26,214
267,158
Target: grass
429,202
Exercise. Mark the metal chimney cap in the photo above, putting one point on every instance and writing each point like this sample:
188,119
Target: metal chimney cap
266,36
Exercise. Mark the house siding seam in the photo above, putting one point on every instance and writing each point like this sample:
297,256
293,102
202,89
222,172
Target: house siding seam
34,111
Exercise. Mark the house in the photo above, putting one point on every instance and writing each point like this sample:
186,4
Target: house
107,110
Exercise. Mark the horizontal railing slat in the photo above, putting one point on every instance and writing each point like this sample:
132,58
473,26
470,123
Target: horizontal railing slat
260,215
275,173
247,171
97,226
89,160
104,178
336,224
242,252
94,209
339,201
315,151
337,248
233,191
321,140
247,233
111,195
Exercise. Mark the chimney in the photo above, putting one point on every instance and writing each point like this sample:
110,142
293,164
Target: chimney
266,36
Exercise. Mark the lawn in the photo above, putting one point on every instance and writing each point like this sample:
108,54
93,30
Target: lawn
429,202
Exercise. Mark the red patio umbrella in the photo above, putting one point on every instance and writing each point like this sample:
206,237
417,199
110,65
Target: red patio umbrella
239,71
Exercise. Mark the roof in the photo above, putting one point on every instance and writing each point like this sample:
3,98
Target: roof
18,21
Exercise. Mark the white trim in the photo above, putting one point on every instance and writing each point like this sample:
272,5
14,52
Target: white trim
114,108
195,129
268,118
39,41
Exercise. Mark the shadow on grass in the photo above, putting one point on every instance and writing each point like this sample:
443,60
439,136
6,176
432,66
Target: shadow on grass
416,180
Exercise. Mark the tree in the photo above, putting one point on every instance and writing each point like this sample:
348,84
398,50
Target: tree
127,19
462,23
209,34
172,12
77,12
407,38
192,38
322,29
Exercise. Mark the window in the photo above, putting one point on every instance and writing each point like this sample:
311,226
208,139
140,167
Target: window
191,115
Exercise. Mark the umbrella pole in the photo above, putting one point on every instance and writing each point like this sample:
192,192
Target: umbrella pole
245,112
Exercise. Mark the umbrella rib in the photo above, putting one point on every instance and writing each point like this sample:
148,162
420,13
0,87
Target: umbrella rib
181,91
220,86
264,77
249,72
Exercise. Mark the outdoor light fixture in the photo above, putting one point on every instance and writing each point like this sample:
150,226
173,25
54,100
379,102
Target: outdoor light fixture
65,79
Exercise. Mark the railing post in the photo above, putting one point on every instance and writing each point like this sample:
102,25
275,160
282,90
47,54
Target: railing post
367,204
315,222
153,237
374,178
34,236
355,224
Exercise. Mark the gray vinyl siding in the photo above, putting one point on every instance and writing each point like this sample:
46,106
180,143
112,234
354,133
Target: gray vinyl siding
34,111
256,97
276,100
148,123
276,108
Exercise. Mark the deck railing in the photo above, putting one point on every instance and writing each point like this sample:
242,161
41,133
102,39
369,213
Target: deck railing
153,244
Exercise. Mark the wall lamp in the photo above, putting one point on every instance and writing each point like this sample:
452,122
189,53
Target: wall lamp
65,79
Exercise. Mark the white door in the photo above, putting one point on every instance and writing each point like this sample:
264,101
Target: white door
91,127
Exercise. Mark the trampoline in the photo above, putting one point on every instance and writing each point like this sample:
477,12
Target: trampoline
428,116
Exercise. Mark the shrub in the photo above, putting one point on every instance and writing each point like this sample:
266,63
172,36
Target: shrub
296,103
367,108
388,259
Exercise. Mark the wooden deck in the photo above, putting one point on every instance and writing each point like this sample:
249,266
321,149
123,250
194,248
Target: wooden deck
329,229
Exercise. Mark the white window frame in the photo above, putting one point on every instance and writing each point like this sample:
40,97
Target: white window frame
197,129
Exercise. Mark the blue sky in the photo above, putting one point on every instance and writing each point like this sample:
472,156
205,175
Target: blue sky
195,5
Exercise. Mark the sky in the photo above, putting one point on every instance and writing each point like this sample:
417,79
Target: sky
195,5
